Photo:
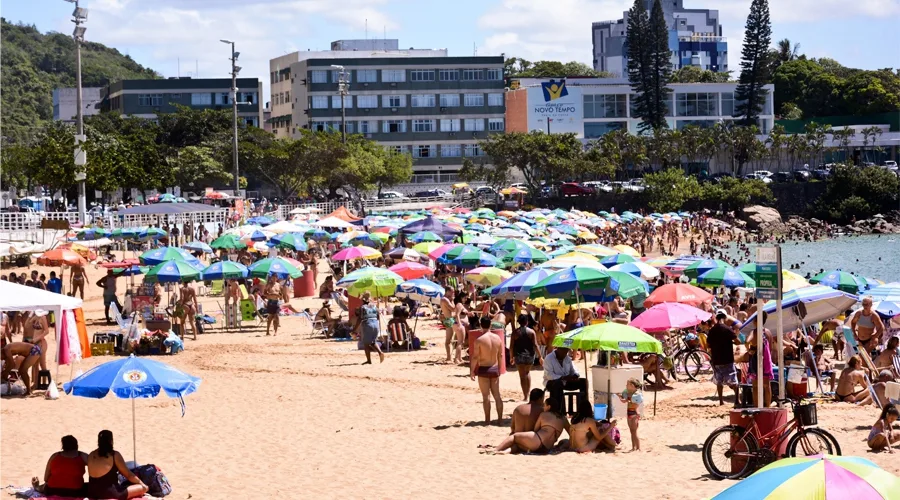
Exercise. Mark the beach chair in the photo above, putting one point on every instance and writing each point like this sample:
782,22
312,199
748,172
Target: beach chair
217,288
400,332
316,326
339,300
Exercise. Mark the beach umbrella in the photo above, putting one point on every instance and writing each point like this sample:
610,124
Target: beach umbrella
225,269
165,254
627,250
351,277
676,266
483,240
699,267
172,271
379,283
61,257
577,281
255,235
595,250
670,315
840,280
411,270
290,241
527,255
619,258
608,336
408,254
373,240
656,262
261,220
816,477
726,276
358,252
428,247
468,256
166,198
638,269
803,307
519,286
678,292
487,276
132,378
507,245
284,226
91,233
132,270
886,308
281,268
425,236
318,235
349,235
888,291
227,242
421,290
439,251
627,285
197,246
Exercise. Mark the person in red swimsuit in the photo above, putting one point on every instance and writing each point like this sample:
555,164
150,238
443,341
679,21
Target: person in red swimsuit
64,474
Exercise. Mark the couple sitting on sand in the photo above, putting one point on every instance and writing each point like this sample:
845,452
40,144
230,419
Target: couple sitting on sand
536,428
64,474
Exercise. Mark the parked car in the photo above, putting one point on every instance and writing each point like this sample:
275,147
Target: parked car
390,195
802,175
485,191
636,185
783,177
765,178
519,185
599,186
575,189
821,174
890,165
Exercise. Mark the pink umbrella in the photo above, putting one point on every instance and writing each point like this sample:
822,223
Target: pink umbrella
411,270
669,315
358,252
441,250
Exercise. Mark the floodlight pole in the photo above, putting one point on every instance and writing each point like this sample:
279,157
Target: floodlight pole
234,113
79,17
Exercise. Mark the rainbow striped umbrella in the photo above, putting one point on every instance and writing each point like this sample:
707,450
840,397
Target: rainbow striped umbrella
817,477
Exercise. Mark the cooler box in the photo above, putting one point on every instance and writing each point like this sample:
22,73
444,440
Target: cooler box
305,285
797,384
617,378
767,420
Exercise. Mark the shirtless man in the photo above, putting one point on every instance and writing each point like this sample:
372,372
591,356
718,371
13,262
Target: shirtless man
76,280
448,319
186,309
525,415
272,294
485,363
852,376
885,360
867,326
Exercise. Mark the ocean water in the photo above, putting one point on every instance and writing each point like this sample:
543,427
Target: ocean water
872,256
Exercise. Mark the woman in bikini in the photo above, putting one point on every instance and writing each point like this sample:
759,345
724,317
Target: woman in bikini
35,330
586,435
547,429
104,466
867,326
186,310
76,280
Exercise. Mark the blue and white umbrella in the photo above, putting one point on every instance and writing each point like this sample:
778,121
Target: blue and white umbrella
804,306
519,285
421,290
131,378
197,246
887,308
262,220
888,291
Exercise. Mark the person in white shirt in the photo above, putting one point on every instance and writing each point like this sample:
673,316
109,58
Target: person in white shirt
560,374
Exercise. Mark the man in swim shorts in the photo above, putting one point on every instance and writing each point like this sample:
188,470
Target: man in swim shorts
485,363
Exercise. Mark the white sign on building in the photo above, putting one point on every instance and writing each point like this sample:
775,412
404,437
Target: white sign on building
556,107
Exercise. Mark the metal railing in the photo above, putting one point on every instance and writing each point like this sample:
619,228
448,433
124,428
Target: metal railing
284,211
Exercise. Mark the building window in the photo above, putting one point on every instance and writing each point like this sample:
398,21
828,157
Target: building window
318,76
287,97
474,124
367,101
727,103
150,99
604,106
336,76
393,75
319,102
175,97
469,75
224,98
669,106
394,126
421,75
450,125
272,77
451,151
700,104
474,100
336,101
364,127
495,124
318,126
424,151
423,125
394,101
422,101
201,99
494,74
398,149
366,75
449,75
592,130
697,123
495,99
473,150
449,100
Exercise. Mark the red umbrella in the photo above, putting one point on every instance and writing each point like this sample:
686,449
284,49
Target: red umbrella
678,292
121,264
461,210
411,270
59,257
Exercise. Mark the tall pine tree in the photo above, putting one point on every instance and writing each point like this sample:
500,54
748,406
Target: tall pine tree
638,51
750,93
660,68
649,65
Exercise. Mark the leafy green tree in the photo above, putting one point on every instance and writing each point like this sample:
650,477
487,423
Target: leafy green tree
516,67
815,135
750,93
669,190
857,192
775,144
695,74
731,194
870,136
396,169
796,148
844,137
664,148
196,166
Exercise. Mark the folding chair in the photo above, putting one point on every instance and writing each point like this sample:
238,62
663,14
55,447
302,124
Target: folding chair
315,325
339,300
400,332
217,288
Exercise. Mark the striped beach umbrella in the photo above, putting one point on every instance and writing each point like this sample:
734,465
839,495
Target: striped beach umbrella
840,280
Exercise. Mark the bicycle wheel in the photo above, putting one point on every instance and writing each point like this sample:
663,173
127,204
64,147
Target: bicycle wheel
810,441
836,447
698,365
728,452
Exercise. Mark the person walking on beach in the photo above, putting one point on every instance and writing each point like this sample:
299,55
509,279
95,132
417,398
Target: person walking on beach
721,340
367,319
108,284
77,276
485,363
272,295
523,352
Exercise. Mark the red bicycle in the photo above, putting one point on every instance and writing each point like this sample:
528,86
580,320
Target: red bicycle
733,451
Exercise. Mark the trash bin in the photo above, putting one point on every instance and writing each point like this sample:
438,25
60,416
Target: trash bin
305,285
767,420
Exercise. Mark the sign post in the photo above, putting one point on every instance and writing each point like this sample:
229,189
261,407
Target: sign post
768,287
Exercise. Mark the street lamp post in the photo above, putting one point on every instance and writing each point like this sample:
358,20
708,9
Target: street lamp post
343,90
79,17
235,69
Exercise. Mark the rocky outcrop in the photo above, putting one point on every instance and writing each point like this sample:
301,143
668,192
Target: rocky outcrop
760,218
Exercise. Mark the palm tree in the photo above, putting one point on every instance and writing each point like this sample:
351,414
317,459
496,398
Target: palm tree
870,136
786,52
776,142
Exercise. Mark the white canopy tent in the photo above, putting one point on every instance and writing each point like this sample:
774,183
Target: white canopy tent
333,222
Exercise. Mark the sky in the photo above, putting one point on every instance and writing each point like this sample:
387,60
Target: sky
159,33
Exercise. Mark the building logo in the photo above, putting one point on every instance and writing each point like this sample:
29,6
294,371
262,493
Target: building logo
553,90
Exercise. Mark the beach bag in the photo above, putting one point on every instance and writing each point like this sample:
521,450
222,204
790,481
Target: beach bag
416,343
155,479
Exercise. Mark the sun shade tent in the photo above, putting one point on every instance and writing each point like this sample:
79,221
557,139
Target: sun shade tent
343,214
432,224
333,222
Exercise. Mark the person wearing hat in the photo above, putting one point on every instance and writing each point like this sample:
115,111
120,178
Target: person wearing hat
721,339
325,315
367,320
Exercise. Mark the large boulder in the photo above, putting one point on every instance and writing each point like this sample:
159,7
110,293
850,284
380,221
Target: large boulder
760,218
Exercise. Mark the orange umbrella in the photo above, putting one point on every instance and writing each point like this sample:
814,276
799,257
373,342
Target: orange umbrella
61,256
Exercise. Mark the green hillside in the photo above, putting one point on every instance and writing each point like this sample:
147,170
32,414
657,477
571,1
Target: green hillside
32,64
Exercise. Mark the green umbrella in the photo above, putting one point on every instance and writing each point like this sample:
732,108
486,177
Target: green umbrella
726,276
629,285
507,245
587,281
749,269
172,271
608,337
840,280
380,283
527,255
274,265
227,242
701,266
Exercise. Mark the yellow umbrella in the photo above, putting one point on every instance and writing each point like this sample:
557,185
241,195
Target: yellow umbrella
587,235
506,213
487,276
512,190
792,281
548,303
427,247
627,250
595,250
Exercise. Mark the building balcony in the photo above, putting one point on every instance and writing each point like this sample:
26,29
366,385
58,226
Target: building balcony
702,38
436,112
388,87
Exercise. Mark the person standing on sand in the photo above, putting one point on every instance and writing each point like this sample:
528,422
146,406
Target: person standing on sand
867,326
448,319
186,308
76,280
721,340
108,284
485,363
367,318
523,352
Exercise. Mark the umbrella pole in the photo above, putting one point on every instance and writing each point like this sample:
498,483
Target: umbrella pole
133,431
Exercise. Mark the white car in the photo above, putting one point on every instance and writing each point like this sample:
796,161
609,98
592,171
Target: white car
636,185
766,179
890,165
599,186
390,195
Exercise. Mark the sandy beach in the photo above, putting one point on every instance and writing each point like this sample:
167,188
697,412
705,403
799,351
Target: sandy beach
293,417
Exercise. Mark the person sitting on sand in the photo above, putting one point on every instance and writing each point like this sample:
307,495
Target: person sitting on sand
880,386
886,358
104,466
485,363
325,315
31,355
526,415
64,474
823,365
585,435
883,436
542,439
852,376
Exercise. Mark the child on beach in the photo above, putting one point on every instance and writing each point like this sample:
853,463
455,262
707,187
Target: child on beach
632,396
882,436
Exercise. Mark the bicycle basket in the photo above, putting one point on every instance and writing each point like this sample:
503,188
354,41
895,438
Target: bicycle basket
806,414
693,343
